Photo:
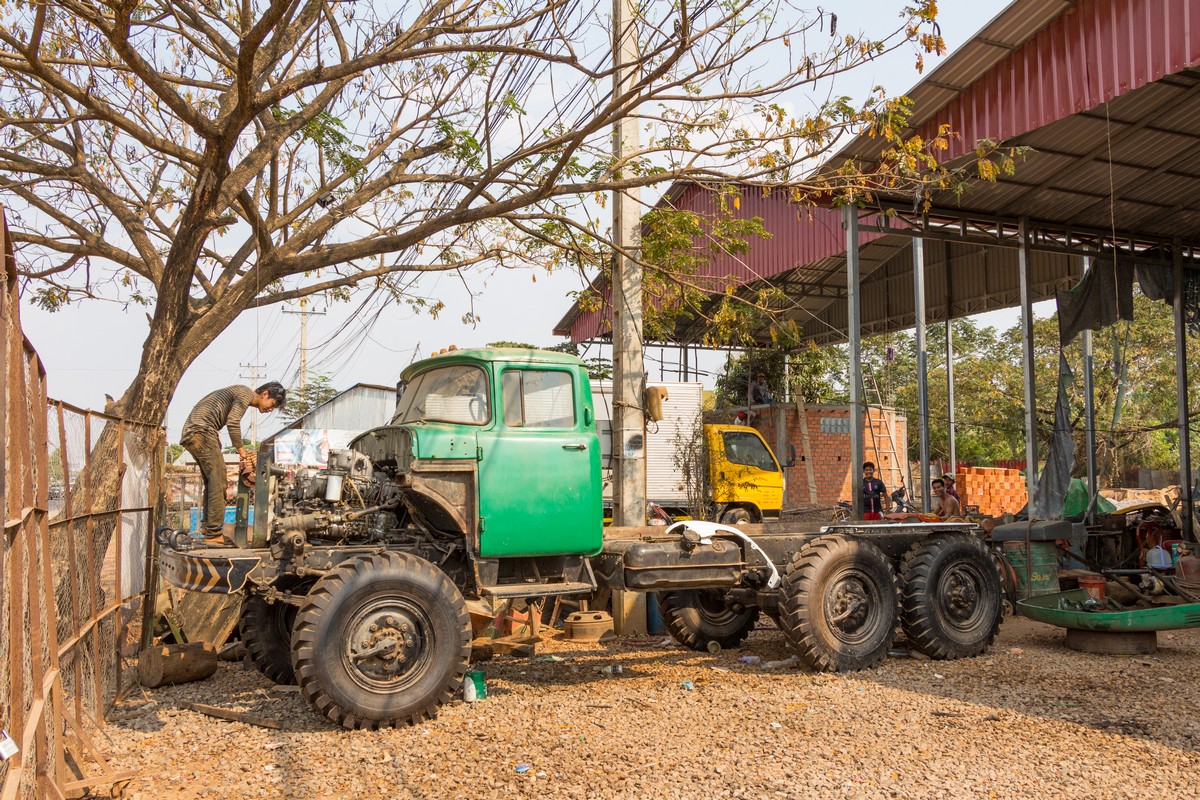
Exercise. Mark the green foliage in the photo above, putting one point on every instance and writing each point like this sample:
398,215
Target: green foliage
317,389
329,134
813,373
599,369
676,246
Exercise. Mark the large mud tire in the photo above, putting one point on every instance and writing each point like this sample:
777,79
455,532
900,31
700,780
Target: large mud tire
839,604
952,600
266,630
394,601
696,617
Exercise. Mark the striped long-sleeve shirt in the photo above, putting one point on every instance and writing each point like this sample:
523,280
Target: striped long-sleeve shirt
221,409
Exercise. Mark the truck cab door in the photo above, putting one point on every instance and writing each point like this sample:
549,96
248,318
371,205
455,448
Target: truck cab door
539,475
743,470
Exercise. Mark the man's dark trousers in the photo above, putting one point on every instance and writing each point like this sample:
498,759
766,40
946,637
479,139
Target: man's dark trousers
205,447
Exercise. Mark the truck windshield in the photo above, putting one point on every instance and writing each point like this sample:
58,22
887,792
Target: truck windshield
449,394
748,450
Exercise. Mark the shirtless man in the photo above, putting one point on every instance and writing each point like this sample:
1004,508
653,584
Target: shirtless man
944,505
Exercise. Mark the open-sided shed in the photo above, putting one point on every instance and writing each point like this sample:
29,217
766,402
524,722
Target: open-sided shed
1104,93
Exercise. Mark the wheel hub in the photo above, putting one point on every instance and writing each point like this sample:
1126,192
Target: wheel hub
383,645
849,605
961,594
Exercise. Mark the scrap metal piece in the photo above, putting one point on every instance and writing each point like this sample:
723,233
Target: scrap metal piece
589,626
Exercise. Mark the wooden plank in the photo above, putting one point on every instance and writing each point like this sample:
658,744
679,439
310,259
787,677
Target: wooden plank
93,572
231,715
72,555
806,450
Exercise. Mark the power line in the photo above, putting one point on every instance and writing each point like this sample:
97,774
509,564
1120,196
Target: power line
255,374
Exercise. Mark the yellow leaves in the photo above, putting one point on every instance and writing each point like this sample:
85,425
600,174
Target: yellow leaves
737,201
988,170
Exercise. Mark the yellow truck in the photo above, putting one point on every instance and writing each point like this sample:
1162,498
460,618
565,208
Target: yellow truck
744,476
743,482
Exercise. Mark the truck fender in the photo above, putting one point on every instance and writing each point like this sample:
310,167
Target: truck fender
707,530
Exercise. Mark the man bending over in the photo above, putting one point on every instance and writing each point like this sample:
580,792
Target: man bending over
202,438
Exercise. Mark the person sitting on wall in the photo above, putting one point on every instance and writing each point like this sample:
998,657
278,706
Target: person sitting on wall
945,505
875,500
760,395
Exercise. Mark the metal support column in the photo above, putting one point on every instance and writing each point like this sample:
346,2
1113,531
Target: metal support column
951,429
1029,367
854,329
1181,395
922,365
1089,413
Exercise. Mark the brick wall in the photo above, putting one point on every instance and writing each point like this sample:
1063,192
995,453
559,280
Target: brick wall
994,489
829,441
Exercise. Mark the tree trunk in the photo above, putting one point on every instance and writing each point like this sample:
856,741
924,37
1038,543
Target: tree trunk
176,663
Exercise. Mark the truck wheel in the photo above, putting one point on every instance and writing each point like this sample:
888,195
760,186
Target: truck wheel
382,639
951,604
838,607
736,516
266,630
696,617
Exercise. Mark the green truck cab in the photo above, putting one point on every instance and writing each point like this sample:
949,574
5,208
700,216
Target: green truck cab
516,430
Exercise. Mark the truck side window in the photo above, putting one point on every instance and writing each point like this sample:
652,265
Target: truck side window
510,391
536,398
748,449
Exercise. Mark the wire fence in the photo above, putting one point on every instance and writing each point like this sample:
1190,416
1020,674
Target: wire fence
81,492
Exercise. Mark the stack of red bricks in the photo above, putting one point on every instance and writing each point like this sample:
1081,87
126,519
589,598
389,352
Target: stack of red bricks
995,490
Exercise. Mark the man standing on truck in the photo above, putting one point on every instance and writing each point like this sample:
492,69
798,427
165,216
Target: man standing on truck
202,438
874,493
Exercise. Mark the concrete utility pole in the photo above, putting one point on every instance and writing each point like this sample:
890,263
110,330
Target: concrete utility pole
629,427
253,377
629,497
304,315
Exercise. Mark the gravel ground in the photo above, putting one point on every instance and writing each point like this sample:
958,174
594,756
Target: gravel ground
1031,719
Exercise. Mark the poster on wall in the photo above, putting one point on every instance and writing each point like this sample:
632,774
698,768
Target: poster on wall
309,447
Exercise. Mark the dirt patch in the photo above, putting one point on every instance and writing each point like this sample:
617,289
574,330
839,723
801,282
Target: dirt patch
1030,719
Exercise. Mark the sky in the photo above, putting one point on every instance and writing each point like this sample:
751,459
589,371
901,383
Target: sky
92,349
